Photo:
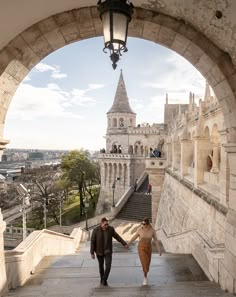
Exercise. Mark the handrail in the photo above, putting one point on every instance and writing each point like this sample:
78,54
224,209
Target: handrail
213,246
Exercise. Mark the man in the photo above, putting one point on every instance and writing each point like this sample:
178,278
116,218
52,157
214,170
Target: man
101,244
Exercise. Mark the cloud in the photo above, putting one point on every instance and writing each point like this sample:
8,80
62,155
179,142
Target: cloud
180,79
41,67
96,86
31,102
55,70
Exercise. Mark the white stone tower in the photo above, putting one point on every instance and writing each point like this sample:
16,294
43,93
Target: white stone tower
117,165
127,146
119,118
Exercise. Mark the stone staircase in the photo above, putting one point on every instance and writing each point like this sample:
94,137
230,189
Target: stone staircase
138,206
77,276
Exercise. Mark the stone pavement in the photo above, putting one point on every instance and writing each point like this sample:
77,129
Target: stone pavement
77,276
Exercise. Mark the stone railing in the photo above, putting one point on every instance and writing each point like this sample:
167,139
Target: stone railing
13,236
204,195
141,179
21,262
16,231
92,222
208,254
119,156
124,198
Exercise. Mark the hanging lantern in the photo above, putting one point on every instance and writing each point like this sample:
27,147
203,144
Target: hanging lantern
115,16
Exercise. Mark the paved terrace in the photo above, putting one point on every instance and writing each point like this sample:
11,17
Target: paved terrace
77,276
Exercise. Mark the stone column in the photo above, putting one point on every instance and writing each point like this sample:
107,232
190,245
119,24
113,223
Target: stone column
3,277
215,159
102,167
186,156
230,235
201,151
156,173
176,154
224,170
169,153
129,175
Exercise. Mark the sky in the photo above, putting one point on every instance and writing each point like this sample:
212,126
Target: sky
63,101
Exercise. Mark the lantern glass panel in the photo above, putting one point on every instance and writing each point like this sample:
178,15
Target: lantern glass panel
116,46
106,26
120,24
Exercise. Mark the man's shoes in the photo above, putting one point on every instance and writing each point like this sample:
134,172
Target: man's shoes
104,282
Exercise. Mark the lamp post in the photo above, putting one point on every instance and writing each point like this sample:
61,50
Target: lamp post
45,212
115,16
113,193
24,195
86,204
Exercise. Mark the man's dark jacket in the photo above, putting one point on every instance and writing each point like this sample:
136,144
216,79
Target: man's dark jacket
97,242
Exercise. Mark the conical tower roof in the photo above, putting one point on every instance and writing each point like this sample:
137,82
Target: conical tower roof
121,101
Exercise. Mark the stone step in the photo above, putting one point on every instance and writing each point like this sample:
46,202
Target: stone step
77,275
184,289
138,205
132,217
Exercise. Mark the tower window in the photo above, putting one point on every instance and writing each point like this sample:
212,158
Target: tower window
121,122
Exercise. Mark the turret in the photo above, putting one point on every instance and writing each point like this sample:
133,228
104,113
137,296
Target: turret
207,96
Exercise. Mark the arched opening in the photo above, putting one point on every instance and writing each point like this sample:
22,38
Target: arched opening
130,151
121,123
208,163
27,49
114,122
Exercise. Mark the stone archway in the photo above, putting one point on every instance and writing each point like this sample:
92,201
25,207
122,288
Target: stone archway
43,38
48,35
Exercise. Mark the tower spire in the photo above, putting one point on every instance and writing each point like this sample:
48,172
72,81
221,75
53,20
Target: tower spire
121,101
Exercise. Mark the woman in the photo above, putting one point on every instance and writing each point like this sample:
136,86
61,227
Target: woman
145,233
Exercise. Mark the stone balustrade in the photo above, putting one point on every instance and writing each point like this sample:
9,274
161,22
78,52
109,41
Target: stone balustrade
210,256
19,264
119,156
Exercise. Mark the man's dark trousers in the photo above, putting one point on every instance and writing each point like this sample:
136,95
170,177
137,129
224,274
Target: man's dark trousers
108,259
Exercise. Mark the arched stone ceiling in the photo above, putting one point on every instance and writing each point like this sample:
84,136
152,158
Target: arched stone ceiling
37,41
16,16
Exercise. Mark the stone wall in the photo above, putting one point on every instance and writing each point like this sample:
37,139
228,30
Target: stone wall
189,222
3,277
20,263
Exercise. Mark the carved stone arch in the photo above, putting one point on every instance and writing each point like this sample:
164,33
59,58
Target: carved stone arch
207,132
120,171
110,172
114,171
48,35
105,173
125,175
137,147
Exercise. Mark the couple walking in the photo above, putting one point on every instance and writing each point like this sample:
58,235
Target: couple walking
101,245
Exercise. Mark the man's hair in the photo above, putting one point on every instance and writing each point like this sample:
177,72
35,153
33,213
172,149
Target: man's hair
104,220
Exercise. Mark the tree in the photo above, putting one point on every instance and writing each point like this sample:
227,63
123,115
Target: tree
45,191
77,168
